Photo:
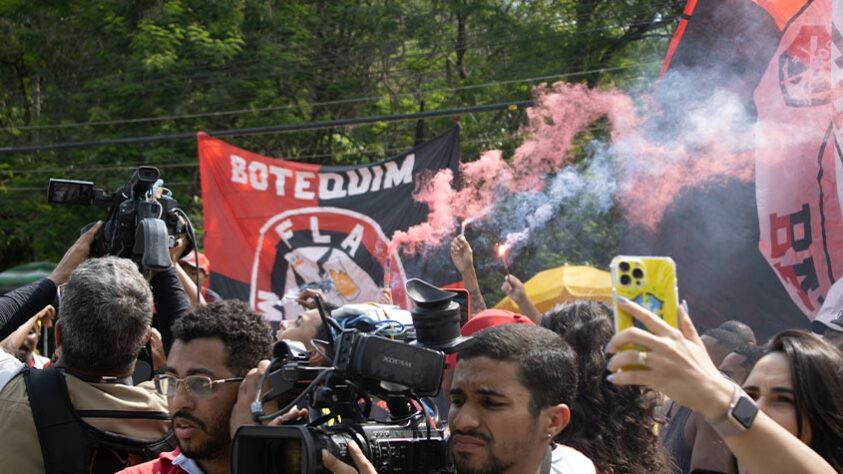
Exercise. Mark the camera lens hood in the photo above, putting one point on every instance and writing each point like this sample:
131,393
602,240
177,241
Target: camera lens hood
436,316
424,294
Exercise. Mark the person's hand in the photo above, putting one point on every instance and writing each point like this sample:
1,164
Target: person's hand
17,338
514,288
293,414
159,357
331,463
75,255
307,298
385,296
676,362
177,251
462,255
47,315
241,413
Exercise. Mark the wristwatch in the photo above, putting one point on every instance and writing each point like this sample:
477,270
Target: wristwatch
738,418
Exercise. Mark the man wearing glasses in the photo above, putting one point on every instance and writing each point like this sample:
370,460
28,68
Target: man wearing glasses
213,349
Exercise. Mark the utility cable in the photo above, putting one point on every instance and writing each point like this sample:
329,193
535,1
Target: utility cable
319,125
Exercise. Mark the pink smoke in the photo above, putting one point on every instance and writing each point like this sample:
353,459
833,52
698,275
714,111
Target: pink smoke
645,195
651,170
561,112
654,168
437,193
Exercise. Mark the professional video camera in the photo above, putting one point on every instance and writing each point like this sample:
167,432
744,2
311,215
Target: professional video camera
140,225
364,368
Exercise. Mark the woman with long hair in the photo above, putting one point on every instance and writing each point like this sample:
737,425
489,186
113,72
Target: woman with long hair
798,382
610,424
787,418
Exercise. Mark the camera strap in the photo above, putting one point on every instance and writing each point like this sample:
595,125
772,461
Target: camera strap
69,444
547,461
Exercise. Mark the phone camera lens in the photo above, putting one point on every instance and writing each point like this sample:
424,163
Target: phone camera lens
638,273
625,280
624,266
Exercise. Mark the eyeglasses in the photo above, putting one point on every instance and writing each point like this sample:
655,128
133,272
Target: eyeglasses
198,385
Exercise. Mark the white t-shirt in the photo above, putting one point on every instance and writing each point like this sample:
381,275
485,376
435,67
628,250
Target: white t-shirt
567,460
9,367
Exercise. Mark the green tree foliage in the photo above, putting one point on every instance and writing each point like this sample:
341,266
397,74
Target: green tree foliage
104,69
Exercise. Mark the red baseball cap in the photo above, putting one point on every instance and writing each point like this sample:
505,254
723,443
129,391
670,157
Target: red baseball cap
486,319
190,259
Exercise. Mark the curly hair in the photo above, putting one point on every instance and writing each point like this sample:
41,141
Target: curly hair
241,330
611,424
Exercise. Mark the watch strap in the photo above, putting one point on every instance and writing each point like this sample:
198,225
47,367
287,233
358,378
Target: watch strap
738,417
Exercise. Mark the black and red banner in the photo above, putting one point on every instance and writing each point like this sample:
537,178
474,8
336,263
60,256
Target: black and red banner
766,251
273,226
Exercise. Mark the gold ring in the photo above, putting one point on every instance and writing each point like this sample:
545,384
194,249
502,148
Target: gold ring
642,358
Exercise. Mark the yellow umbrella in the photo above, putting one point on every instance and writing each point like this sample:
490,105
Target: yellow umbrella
548,288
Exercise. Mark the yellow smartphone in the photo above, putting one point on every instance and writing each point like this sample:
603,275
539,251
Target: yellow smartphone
648,281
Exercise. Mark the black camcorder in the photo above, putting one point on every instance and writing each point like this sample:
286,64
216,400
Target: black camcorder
139,225
366,370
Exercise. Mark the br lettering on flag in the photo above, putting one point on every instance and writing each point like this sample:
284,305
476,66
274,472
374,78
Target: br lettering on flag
798,161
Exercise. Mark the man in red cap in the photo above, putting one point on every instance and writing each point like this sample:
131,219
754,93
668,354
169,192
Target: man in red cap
188,263
482,320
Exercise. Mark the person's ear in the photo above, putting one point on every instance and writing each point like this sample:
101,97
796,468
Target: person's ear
316,359
557,418
147,336
57,332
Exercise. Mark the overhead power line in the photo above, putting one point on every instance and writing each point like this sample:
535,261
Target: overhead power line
319,125
379,153
333,102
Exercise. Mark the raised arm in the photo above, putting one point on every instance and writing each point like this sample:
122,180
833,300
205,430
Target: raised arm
170,303
463,258
17,306
678,366
514,288
194,296
18,337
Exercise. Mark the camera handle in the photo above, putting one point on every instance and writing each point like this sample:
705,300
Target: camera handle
151,241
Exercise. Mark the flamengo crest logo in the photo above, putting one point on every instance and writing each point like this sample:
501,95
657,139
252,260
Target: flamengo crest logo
805,68
339,250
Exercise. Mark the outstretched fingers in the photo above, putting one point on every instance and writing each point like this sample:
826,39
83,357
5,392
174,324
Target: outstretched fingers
636,336
651,321
686,326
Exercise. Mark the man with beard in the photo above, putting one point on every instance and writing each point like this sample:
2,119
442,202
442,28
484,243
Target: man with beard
213,349
509,398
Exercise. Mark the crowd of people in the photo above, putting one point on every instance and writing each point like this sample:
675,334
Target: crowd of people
156,374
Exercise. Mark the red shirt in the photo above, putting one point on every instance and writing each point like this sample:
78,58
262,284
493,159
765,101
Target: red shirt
162,465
